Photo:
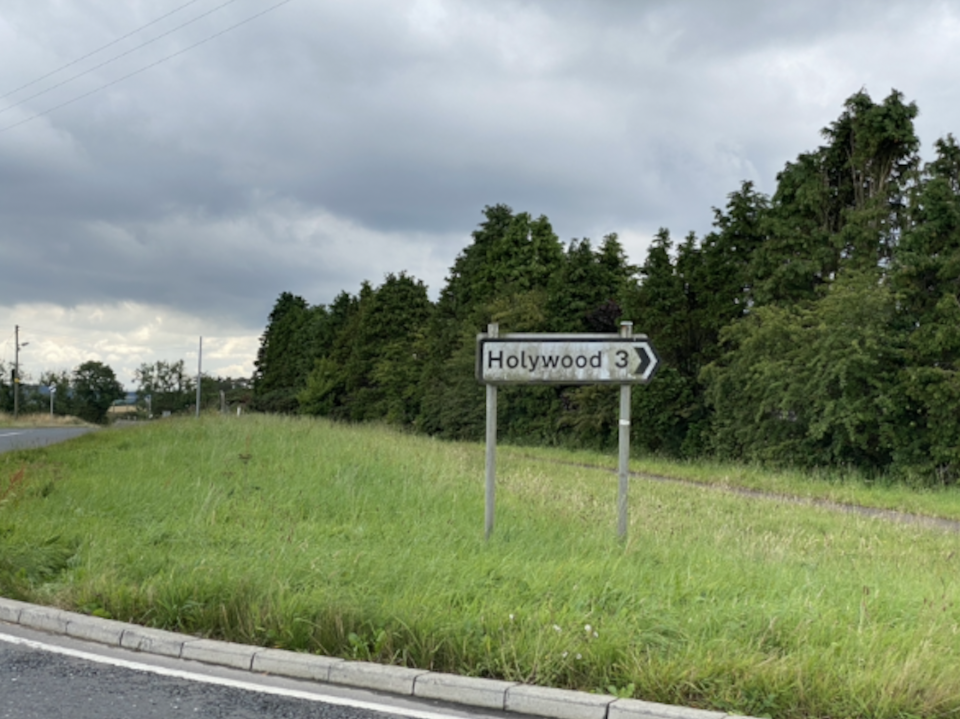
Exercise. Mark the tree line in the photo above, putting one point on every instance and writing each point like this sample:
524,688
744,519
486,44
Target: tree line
818,326
87,392
167,387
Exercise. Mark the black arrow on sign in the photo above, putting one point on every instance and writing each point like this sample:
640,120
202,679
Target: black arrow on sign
645,359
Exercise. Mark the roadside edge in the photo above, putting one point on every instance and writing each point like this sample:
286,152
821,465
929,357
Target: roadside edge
476,692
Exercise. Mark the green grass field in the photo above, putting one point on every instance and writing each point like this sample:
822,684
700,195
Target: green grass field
367,543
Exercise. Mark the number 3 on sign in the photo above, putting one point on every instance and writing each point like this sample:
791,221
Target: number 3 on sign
622,359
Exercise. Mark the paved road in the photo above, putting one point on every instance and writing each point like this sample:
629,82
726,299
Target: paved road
29,438
43,676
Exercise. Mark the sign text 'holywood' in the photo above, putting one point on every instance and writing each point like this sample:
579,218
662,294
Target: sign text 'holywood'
565,359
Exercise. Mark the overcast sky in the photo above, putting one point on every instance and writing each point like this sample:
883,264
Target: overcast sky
150,195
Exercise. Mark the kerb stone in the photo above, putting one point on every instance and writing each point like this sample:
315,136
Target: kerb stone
153,641
225,654
637,709
294,664
10,610
474,691
45,619
556,703
396,680
95,629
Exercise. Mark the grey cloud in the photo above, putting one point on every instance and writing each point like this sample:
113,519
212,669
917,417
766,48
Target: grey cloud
401,123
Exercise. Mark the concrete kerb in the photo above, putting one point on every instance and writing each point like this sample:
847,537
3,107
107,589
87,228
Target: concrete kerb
636,709
153,641
95,629
48,620
558,703
227,654
468,691
385,678
486,693
294,664
10,610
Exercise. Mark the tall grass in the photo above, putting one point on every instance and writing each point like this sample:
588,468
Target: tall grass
841,486
367,543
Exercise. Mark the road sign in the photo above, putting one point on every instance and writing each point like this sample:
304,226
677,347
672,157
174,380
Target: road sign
623,359
565,359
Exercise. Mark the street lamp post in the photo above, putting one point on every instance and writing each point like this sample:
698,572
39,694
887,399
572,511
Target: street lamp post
53,391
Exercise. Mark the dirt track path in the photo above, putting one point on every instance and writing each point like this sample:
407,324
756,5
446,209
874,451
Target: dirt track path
949,525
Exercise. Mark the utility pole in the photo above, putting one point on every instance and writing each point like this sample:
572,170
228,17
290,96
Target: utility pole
16,369
199,373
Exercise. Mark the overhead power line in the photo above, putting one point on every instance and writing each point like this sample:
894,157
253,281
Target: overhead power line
99,49
143,69
115,57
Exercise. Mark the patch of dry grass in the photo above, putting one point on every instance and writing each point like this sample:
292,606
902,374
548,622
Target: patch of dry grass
40,420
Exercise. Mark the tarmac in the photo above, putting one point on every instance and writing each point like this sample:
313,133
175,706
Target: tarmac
510,697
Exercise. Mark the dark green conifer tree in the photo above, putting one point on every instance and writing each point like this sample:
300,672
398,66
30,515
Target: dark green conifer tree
372,370
502,276
808,374
926,277
282,362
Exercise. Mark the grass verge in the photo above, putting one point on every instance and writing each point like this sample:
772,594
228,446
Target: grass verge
366,543
847,487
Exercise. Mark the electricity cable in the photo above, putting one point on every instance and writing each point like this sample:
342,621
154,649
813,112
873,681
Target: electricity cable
143,69
115,58
99,49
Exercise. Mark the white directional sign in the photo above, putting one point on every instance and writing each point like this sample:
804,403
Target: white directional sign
565,359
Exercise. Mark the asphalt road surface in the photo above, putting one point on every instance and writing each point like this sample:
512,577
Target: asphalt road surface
29,438
44,676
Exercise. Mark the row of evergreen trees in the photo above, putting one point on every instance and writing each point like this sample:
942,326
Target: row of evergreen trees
819,326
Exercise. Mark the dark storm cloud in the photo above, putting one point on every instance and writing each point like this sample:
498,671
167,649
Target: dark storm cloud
329,142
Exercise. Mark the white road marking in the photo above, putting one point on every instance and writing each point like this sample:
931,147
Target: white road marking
233,683
10,434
